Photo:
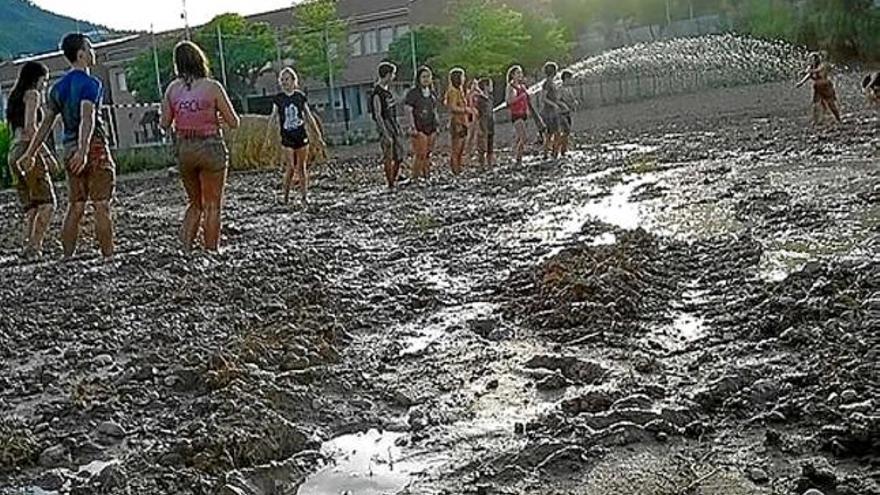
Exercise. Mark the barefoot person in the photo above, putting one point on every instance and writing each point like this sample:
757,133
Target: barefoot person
383,106
471,142
23,113
518,105
486,122
551,112
459,115
194,103
421,102
871,87
568,103
91,172
290,108
824,96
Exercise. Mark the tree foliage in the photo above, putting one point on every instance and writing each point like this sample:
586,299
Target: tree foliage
248,48
430,42
317,32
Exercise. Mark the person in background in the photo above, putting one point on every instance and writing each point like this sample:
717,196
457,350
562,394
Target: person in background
519,105
486,123
568,103
194,104
421,101
472,141
552,111
290,109
871,87
91,171
460,115
35,190
824,96
383,106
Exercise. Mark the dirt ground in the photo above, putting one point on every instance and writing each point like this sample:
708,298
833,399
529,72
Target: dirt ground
689,303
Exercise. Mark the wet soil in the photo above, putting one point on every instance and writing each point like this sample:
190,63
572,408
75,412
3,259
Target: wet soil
688,303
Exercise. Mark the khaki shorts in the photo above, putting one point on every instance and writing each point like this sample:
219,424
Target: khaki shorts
196,155
393,150
97,182
35,188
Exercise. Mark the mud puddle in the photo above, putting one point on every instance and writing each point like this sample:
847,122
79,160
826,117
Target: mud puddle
366,463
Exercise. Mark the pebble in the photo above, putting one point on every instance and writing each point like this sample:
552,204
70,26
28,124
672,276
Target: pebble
54,456
758,475
848,396
111,429
103,359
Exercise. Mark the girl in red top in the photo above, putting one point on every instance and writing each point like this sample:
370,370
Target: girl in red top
518,104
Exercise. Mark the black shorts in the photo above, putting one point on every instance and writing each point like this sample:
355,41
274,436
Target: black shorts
517,118
295,140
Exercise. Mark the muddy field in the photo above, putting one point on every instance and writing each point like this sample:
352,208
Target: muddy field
687,304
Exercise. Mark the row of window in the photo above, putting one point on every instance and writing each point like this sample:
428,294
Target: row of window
375,40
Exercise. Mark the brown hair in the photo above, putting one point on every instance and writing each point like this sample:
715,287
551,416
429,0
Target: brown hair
190,62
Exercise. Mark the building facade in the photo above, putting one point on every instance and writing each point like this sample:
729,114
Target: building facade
372,26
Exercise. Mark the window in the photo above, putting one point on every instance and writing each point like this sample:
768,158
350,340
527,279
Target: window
121,82
386,37
354,41
402,30
371,44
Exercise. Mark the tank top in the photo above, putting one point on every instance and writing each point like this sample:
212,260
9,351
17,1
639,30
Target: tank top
520,105
194,110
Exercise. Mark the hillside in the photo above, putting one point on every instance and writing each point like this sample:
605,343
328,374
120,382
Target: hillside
43,28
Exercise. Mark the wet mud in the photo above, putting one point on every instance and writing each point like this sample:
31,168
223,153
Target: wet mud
688,303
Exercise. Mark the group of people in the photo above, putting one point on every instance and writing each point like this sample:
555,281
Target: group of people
195,108
824,94
471,110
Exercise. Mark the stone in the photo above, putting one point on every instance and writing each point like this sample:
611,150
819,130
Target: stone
848,396
293,362
553,381
55,456
758,475
103,359
111,429
51,480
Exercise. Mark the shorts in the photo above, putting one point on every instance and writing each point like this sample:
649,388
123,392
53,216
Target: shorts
393,151
823,91
197,155
295,140
458,130
97,181
518,117
35,188
426,129
551,120
565,123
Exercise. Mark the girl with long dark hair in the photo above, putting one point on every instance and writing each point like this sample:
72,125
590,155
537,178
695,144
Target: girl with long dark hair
422,103
24,112
194,104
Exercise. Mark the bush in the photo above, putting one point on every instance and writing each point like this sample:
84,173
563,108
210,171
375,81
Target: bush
247,145
5,144
141,159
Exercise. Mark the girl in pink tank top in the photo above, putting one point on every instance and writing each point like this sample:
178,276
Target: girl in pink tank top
194,104
194,109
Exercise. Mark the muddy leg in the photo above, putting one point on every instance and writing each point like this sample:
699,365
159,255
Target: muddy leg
27,231
192,218
41,221
213,185
104,227
289,174
70,230
301,157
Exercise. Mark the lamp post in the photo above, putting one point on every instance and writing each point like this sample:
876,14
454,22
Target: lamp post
185,18
412,43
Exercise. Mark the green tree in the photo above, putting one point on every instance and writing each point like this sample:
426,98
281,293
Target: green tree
140,74
485,37
248,47
318,40
548,40
430,42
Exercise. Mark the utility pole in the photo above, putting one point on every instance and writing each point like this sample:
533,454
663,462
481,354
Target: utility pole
156,63
222,55
185,17
412,43
331,99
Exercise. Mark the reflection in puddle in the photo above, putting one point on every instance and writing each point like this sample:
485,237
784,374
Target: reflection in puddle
370,463
423,333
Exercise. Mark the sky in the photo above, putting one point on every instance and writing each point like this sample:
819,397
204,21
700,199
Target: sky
164,14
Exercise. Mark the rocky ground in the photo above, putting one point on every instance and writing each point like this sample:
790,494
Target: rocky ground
687,304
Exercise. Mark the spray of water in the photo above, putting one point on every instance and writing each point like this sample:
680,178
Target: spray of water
712,60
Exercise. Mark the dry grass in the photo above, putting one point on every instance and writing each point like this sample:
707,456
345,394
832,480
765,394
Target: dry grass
249,149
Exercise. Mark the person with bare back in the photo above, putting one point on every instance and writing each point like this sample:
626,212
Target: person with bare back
824,96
